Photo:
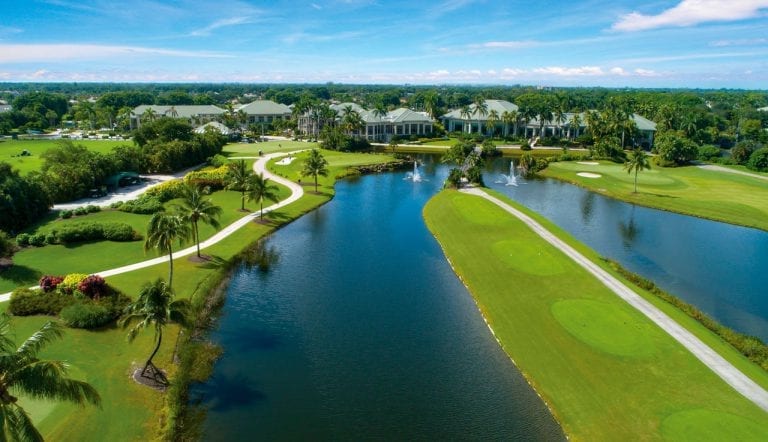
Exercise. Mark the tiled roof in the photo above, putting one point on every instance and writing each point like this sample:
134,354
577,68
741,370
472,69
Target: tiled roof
265,107
500,106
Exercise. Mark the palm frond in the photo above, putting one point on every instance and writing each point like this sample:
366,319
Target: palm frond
47,333
17,426
47,380
6,343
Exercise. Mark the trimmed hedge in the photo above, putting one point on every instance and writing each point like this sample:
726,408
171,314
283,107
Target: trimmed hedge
111,231
144,205
86,315
26,302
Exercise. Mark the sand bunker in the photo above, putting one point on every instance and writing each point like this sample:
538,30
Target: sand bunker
589,175
286,161
588,163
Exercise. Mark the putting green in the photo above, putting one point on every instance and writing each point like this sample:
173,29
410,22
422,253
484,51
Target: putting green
709,425
605,327
538,260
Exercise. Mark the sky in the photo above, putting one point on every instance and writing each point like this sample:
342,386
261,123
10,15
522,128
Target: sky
612,43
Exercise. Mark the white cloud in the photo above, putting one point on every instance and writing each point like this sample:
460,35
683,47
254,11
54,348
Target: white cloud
506,44
618,71
740,42
26,53
316,6
692,12
570,72
646,73
234,21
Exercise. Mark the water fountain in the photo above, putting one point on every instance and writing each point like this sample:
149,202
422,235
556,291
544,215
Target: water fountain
511,179
414,176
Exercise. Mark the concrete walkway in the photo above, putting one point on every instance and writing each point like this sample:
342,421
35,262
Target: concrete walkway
259,167
730,374
729,170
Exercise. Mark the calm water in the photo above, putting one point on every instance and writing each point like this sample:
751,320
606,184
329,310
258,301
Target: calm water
362,331
720,268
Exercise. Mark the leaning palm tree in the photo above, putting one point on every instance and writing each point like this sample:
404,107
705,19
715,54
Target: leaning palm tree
155,308
636,162
237,179
163,229
259,189
196,208
21,371
315,165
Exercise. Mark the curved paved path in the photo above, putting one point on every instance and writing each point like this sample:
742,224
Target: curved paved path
730,374
259,167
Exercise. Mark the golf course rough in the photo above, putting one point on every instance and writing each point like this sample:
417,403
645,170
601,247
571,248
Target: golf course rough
606,371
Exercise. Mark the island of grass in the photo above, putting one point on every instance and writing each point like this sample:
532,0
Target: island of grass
103,357
606,371
717,195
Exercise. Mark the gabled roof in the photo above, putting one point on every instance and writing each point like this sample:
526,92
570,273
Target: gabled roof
224,130
180,111
264,107
339,108
403,115
643,123
500,106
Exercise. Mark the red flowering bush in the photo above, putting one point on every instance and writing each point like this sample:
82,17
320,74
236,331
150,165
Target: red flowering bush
93,286
48,283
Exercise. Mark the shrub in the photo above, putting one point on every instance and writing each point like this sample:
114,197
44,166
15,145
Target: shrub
25,302
166,191
22,239
759,160
525,145
93,286
65,214
218,160
51,238
91,208
708,152
144,205
119,232
215,178
80,211
71,282
86,315
742,151
37,240
116,204
112,231
48,283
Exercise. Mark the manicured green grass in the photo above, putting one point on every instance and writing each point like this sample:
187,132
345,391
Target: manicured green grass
37,147
716,195
132,412
252,149
606,370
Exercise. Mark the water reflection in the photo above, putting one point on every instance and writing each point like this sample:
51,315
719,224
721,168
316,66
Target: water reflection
587,207
629,230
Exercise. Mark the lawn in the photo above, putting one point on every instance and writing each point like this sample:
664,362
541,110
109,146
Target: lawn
716,195
11,148
606,371
131,412
252,149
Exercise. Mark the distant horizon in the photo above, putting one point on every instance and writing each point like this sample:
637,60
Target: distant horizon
665,44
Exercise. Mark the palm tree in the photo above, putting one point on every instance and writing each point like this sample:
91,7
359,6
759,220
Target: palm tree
149,114
490,124
155,308
22,372
575,124
162,231
481,109
237,179
430,103
315,165
87,110
636,162
259,189
380,111
196,208
466,113
508,118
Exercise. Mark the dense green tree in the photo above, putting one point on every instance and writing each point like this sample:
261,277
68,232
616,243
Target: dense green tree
259,190
164,130
155,308
759,160
315,165
196,208
23,200
162,231
23,372
672,149
637,162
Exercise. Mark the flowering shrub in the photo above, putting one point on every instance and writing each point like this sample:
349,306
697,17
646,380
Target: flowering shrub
71,281
215,178
93,286
48,283
166,191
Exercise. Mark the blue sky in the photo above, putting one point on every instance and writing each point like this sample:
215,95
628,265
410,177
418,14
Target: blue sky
673,43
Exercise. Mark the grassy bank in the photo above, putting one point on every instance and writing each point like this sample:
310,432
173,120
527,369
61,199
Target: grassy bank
607,372
104,358
716,195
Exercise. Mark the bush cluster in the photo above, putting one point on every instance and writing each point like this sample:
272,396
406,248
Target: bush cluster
144,205
751,347
213,178
94,286
166,191
26,302
48,283
86,315
110,231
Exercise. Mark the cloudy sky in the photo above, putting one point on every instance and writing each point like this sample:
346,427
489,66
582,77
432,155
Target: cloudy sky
653,43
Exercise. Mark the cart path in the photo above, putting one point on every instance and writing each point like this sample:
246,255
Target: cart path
730,374
259,166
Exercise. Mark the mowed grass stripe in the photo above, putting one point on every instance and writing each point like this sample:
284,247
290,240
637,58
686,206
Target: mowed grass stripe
720,196
607,371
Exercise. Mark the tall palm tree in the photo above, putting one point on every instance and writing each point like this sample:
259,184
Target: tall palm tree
196,208
162,231
155,308
237,179
315,165
21,371
636,162
379,111
431,100
490,124
507,118
575,124
466,113
259,189
149,114
481,110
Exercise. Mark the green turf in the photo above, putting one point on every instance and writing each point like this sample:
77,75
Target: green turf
716,195
37,147
607,372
